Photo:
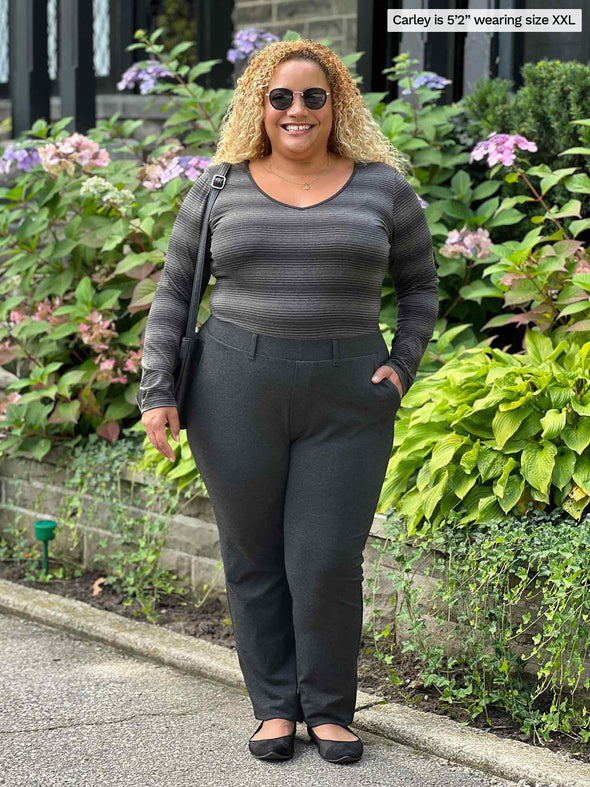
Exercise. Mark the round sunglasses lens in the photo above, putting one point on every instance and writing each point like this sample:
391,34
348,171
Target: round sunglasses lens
315,99
280,99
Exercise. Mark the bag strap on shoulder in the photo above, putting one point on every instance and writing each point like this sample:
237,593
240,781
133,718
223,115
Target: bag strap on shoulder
217,183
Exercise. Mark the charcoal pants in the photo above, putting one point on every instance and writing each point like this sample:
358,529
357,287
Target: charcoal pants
292,440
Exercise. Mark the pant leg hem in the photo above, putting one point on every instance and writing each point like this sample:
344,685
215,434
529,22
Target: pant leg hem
317,720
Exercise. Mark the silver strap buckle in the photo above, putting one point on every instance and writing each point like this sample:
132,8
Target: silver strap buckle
219,185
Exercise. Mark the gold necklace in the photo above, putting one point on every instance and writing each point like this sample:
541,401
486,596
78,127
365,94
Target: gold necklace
306,184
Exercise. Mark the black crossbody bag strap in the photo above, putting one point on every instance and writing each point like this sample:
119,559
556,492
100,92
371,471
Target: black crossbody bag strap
217,183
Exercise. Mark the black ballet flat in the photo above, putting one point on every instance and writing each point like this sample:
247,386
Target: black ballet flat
338,751
281,748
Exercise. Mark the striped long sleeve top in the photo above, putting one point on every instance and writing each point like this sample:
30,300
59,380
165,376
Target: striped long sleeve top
298,272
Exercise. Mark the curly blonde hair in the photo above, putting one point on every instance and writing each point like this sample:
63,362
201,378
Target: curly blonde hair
355,133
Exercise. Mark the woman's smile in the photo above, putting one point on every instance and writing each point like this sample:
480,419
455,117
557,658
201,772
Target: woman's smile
296,129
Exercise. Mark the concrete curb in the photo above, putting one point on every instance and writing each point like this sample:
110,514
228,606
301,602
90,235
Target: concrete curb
426,732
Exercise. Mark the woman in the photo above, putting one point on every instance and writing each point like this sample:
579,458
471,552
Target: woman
294,402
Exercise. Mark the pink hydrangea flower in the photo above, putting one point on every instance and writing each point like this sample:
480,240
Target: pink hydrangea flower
467,243
63,156
500,148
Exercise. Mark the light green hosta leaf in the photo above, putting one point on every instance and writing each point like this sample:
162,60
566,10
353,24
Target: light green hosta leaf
512,492
553,422
537,345
581,409
577,437
33,328
469,459
509,202
581,474
499,484
119,409
38,393
423,477
431,498
471,502
537,462
445,450
489,463
462,482
505,423
183,467
488,509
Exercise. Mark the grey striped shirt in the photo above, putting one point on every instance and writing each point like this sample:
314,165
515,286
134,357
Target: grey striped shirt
311,273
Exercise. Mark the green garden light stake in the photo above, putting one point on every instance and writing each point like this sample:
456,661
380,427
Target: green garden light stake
44,532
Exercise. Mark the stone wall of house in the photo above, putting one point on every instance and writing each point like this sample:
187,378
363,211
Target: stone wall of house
333,19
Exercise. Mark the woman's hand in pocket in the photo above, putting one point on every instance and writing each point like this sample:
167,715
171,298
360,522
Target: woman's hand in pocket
391,375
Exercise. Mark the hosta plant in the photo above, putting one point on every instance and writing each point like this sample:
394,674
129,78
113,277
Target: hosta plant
490,431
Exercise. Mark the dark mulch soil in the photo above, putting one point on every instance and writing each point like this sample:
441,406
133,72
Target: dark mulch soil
210,621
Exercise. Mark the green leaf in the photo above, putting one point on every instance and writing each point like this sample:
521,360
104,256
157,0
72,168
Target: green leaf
537,462
506,422
461,183
553,423
579,183
85,292
485,189
577,437
571,208
505,217
550,180
581,474
578,226
478,289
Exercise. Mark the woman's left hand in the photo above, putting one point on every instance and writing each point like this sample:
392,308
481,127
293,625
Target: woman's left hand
391,374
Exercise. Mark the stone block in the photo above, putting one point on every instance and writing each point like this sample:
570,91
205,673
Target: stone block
193,536
205,571
252,14
300,9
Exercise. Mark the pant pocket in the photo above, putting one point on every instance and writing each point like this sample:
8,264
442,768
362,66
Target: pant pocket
386,382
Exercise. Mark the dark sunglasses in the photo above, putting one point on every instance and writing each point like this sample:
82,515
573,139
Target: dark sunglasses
314,97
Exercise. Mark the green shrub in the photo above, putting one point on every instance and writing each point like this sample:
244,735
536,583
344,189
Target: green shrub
504,621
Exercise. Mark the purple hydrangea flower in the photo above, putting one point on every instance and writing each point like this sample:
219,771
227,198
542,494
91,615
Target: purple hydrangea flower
185,168
146,75
247,40
24,158
431,80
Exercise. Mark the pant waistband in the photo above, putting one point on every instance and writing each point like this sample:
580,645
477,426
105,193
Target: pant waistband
292,349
